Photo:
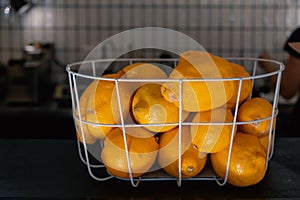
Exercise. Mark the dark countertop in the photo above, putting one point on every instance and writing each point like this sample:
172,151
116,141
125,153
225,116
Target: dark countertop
51,168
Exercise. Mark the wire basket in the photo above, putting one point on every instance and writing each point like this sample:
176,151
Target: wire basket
81,74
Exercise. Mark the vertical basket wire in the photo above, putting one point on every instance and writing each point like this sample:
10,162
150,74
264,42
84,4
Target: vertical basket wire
252,68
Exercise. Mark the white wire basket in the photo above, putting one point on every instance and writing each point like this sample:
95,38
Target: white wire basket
80,74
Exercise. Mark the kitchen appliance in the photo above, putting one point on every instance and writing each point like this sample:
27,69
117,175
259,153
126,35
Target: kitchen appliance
30,76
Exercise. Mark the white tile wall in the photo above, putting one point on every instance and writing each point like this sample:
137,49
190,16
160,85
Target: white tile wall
224,27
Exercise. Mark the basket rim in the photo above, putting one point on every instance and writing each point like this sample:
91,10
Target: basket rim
279,68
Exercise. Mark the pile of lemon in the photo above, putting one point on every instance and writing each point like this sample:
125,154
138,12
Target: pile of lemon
186,115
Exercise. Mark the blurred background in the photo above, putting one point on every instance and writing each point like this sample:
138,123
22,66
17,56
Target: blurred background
38,38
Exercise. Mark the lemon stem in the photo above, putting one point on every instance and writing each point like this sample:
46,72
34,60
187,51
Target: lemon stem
190,169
